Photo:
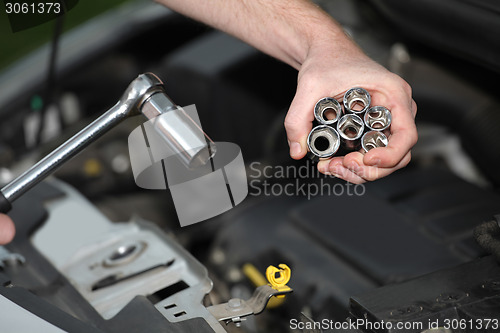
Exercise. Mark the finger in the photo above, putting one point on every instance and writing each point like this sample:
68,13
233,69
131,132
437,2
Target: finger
298,121
324,165
336,167
7,229
403,130
403,138
400,143
354,162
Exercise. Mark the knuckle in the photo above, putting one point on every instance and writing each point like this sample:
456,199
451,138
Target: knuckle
406,87
400,84
291,121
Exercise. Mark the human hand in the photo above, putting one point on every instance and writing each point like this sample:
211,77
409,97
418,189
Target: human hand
329,71
7,229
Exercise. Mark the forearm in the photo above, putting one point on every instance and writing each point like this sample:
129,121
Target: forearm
285,29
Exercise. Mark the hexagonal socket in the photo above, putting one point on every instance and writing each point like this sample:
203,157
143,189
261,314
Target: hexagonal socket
356,100
378,118
327,111
350,128
373,139
323,141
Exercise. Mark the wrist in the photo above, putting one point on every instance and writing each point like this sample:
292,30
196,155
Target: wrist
327,39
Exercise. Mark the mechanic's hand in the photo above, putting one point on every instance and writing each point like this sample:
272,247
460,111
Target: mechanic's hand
330,72
7,229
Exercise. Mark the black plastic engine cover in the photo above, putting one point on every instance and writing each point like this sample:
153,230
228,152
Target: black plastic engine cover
459,27
466,296
415,222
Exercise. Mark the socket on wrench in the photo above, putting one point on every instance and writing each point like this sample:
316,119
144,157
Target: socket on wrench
378,118
356,100
327,111
350,128
373,139
323,141
144,95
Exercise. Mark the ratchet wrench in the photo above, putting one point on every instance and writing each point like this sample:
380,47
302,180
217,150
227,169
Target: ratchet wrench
145,95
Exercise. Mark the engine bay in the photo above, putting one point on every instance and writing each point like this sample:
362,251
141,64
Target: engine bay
96,253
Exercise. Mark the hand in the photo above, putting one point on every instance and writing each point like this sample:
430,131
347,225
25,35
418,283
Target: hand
7,229
329,72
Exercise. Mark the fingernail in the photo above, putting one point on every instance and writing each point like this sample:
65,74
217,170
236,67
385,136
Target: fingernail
295,149
375,161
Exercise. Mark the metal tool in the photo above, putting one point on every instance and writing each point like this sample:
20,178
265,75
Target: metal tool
378,118
373,139
323,141
359,118
327,111
356,100
236,309
144,95
350,128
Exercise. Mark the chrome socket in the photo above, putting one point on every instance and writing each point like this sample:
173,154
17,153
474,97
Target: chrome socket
373,139
323,141
378,118
327,111
357,125
350,129
356,100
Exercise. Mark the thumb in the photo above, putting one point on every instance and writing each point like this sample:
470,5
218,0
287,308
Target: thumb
298,123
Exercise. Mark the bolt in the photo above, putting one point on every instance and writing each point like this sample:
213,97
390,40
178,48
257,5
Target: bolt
451,297
406,311
234,303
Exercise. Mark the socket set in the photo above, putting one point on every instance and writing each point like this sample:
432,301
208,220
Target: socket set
351,126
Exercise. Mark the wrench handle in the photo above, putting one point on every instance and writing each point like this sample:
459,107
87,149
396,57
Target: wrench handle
5,205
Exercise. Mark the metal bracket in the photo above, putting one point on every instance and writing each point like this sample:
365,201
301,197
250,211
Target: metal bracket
236,309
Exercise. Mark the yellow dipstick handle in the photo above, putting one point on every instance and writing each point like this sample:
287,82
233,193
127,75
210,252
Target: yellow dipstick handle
279,277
